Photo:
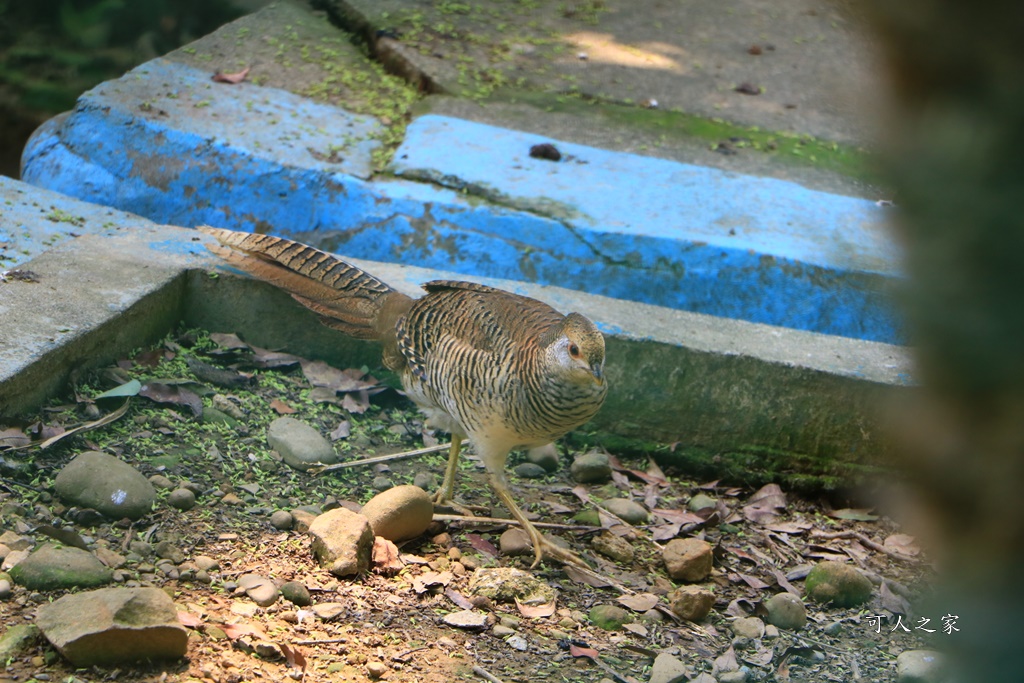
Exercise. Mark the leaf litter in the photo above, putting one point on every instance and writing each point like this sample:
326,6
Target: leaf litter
148,411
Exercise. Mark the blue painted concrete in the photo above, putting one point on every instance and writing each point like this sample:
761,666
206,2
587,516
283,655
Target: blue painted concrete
167,143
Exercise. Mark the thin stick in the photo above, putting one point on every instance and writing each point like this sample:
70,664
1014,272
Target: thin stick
380,458
874,545
479,671
499,520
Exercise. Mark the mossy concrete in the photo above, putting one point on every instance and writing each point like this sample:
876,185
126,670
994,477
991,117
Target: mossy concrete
741,392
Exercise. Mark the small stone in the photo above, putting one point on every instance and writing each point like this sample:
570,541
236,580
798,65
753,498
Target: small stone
609,617
51,567
833,629
107,484
668,669
837,583
206,563
400,513
701,501
592,467
425,480
528,470
546,456
652,616
920,666
502,631
167,550
748,627
376,669
739,676
628,511
382,483
159,481
296,593
515,542
692,603
786,611
302,519
613,547
467,619
342,541
300,446
688,559
282,519
506,584
181,499
5,589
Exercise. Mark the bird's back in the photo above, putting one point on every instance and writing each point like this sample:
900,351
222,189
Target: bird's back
477,354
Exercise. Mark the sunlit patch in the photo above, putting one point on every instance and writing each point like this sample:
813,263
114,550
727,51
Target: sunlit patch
602,47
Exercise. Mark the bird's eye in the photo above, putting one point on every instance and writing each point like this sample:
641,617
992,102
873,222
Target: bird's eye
574,351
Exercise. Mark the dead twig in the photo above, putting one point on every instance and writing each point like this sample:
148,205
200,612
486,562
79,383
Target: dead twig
380,458
479,671
500,520
874,545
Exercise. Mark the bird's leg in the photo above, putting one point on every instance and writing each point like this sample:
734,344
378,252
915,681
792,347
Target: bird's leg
447,490
541,546
445,494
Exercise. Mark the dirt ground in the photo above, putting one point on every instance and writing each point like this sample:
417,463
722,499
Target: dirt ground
390,626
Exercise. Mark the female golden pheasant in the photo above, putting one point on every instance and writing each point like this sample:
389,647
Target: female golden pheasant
504,370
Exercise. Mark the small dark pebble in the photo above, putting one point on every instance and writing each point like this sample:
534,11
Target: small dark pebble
748,89
545,150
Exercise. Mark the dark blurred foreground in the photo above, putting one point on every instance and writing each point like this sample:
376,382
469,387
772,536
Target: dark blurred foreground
956,150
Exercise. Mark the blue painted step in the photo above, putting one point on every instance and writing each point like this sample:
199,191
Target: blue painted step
167,143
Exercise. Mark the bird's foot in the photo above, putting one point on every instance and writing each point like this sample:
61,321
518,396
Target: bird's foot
443,502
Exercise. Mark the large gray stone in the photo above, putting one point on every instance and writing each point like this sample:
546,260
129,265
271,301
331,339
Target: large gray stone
107,484
114,625
300,445
52,567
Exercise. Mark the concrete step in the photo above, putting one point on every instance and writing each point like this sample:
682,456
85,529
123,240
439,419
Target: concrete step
760,402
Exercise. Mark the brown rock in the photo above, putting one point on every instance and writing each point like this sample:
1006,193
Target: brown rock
400,513
692,603
688,559
114,625
342,542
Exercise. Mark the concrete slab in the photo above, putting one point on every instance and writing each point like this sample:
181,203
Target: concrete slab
777,403
170,145
808,66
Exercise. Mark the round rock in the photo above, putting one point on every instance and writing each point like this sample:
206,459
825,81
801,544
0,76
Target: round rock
692,603
688,559
300,445
837,583
282,519
591,468
628,511
786,611
181,499
105,483
400,513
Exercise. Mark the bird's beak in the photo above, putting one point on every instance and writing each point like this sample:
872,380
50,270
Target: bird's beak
598,372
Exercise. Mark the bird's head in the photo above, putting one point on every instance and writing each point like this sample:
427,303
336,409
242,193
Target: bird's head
578,350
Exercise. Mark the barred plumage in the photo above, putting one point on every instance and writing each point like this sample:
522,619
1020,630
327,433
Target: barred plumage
504,370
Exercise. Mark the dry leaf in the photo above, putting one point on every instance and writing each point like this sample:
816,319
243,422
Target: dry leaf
639,602
904,544
189,620
228,341
588,578
172,394
580,651
282,408
536,611
765,504
13,438
482,544
342,431
231,79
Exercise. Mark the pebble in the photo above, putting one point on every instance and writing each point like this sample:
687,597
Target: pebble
282,519
300,446
425,480
692,603
837,583
382,483
748,627
181,499
920,666
609,617
668,669
514,542
159,481
628,511
466,619
786,611
688,559
701,501
5,589
376,669
296,593
528,470
613,547
592,467
546,456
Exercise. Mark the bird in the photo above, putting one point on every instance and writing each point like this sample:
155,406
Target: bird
502,370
